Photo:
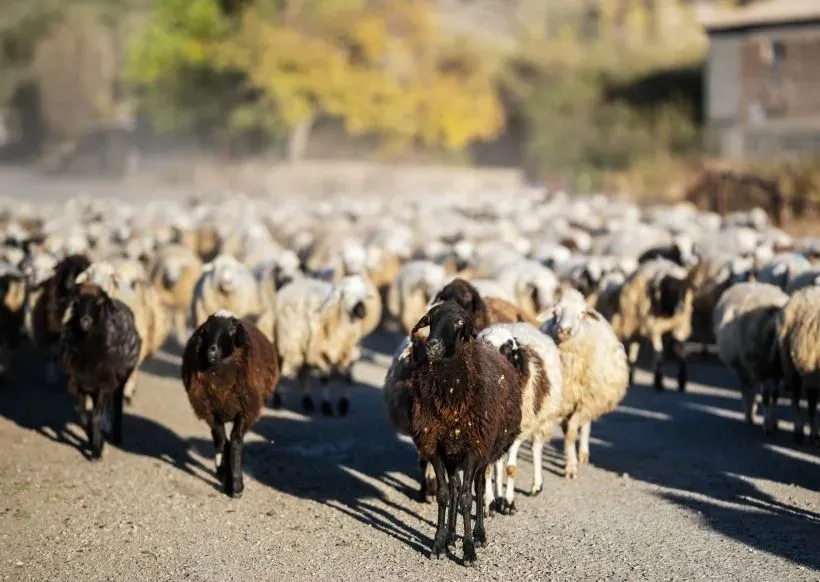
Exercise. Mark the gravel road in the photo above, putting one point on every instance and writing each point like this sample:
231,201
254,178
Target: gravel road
679,489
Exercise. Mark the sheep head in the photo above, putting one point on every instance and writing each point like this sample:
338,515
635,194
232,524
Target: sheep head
500,337
218,338
463,293
670,295
450,328
564,319
90,305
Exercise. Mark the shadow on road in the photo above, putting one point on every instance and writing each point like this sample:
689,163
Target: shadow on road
699,445
50,411
339,462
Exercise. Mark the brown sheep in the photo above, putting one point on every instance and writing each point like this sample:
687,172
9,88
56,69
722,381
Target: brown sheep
484,311
466,414
229,369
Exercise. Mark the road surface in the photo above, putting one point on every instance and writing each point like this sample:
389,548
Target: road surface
679,489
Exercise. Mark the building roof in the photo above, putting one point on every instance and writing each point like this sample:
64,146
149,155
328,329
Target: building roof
760,14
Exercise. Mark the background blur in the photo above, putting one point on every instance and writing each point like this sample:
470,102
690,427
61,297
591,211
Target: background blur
623,96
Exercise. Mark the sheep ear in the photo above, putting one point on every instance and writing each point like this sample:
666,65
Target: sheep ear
594,315
240,336
422,323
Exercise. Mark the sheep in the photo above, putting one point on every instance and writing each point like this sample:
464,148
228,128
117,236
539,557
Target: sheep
797,325
125,281
537,359
466,413
531,284
805,279
484,311
229,369
411,291
680,252
396,393
354,261
745,319
225,283
318,327
782,269
99,347
46,306
655,303
12,303
174,277
594,371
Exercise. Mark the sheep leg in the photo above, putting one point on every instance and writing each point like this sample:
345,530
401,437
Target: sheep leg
307,401
570,428
508,506
95,428
771,394
499,484
344,402
747,389
814,430
235,486
455,487
116,429
326,407
130,388
489,499
443,499
537,464
470,558
180,330
657,362
583,448
220,443
479,533
797,390
633,350
679,351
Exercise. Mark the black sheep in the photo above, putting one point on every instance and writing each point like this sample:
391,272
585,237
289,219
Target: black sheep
100,348
466,413
229,368
50,301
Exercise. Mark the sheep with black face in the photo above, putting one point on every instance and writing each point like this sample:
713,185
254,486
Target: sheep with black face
229,368
655,303
318,328
100,349
466,413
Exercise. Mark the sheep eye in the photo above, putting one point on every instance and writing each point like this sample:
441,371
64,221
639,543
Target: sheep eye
459,324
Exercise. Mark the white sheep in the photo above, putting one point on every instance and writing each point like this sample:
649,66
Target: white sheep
538,360
594,371
797,332
744,321
532,285
318,328
227,284
411,291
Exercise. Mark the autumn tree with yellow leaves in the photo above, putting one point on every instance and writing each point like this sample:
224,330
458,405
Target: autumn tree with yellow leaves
381,66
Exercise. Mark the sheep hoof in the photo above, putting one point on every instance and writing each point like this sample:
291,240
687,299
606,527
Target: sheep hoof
307,404
438,551
583,457
327,408
658,386
498,506
571,472
535,491
509,508
451,540
344,406
470,557
277,401
236,494
480,538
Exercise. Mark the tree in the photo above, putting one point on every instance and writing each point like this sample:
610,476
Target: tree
380,65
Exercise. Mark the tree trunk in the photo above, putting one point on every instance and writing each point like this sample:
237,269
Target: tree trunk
298,140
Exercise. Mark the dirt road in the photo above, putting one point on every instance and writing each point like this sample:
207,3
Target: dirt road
679,489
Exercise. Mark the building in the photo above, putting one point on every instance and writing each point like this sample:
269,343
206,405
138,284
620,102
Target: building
762,79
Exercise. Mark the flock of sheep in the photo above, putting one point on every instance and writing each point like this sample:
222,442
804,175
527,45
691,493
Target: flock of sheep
520,313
